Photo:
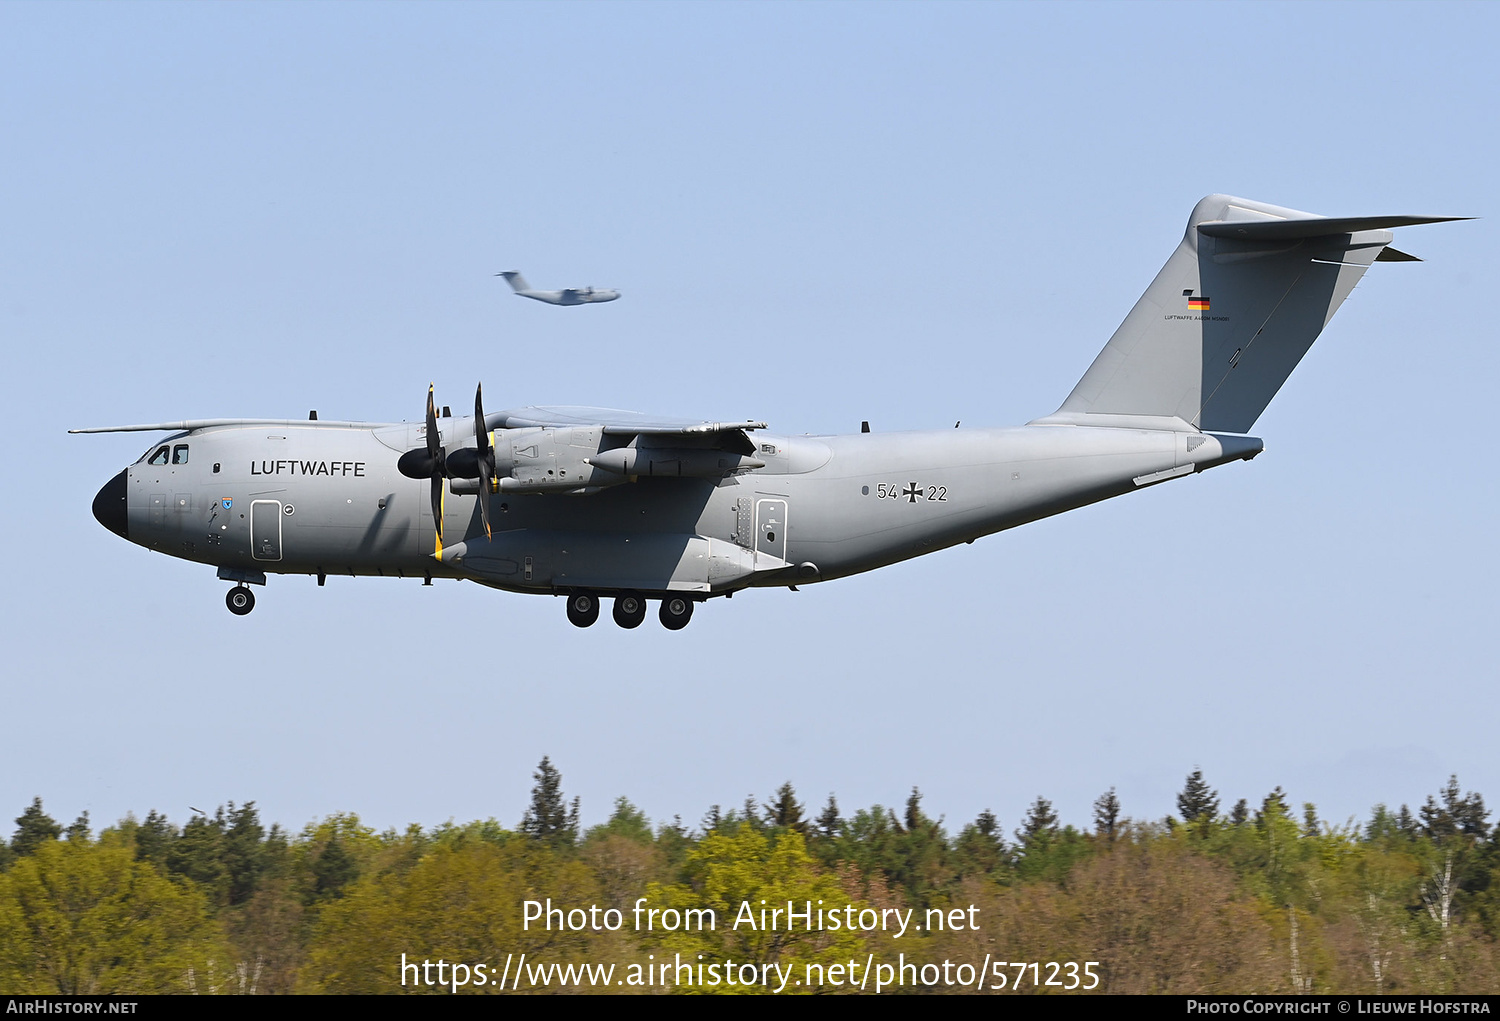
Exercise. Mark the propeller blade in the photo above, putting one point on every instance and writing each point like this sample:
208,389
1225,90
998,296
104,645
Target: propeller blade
432,429
484,498
429,463
485,458
481,434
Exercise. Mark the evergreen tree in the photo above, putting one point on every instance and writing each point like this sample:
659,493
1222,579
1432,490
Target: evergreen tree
674,843
244,849
1197,800
153,837
198,854
785,811
829,823
1107,815
79,833
549,818
980,848
1040,824
921,865
1240,814
1273,807
1047,850
1382,826
333,870
1456,815
914,816
712,820
34,827
750,813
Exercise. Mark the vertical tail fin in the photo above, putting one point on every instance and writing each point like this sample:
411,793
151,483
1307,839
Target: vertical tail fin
1232,312
517,281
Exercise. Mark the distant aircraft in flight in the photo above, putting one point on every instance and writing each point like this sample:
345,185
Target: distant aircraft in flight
567,296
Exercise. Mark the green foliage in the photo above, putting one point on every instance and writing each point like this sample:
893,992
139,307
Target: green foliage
460,903
625,821
737,874
1271,901
82,919
980,848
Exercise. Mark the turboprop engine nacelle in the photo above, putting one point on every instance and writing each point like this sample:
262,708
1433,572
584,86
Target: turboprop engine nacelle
538,460
674,462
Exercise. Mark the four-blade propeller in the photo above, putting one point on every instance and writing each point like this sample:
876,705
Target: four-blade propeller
478,461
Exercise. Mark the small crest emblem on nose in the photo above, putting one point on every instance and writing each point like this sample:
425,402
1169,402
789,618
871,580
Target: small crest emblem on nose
228,504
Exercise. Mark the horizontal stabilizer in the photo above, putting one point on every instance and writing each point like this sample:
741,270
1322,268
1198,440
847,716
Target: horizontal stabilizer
1311,227
1389,254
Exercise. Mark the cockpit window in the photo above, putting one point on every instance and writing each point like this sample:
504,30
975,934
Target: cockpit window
160,457
179,454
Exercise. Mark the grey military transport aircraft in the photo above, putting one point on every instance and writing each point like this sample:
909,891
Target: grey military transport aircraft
593,504
567,296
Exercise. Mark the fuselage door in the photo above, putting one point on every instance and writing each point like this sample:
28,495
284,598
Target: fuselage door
265,529
770,527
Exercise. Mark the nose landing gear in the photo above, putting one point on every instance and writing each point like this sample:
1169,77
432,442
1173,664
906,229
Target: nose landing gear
240,600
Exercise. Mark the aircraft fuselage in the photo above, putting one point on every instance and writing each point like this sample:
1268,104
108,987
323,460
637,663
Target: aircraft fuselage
326,498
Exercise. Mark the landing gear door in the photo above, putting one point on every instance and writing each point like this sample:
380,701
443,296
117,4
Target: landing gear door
265,529
770,527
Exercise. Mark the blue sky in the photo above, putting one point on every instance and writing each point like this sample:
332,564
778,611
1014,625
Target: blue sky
817,214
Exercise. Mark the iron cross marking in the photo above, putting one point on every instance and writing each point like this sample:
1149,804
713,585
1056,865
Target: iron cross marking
911,493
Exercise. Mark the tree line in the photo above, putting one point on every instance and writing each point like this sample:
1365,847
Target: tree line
1264,898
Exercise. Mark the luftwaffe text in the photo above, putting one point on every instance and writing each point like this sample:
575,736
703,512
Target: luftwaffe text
354,468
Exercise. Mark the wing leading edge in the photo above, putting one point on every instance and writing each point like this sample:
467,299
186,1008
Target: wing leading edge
731,436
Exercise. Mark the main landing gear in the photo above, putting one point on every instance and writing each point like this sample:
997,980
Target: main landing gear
583,609
629,610
240,600
676,612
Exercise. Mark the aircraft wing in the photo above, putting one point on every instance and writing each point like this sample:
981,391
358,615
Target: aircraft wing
728,435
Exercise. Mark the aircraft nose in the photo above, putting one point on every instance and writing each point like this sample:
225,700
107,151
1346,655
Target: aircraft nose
109,505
